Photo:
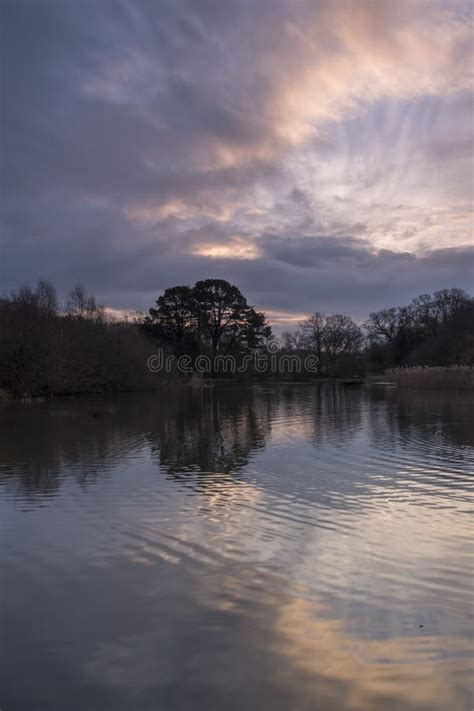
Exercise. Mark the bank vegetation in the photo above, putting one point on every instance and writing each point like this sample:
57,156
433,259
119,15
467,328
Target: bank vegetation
49,348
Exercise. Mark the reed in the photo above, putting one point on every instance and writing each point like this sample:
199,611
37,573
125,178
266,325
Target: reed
458,377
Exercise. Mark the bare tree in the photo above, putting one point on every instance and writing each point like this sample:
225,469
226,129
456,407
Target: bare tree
384,324
80,304
47,298
311,334
341,336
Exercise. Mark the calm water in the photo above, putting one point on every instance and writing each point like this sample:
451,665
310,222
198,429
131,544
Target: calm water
283,548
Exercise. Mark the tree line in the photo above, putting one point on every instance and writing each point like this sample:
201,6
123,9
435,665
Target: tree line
214,317
434,329
47,348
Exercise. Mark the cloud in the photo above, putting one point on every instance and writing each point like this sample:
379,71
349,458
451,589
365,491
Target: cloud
307,150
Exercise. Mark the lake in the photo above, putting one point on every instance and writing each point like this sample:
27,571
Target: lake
239,548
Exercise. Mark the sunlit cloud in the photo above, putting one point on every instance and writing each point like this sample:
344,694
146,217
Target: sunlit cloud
179,209
285,318
235,248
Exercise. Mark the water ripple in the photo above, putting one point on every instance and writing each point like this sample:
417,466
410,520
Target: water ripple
308,547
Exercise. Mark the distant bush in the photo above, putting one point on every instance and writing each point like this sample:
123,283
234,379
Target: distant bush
45,350
459,377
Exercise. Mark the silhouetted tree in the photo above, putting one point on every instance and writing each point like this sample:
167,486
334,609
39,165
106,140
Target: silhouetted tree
331,339
311,334
212,316
174,319
47,298
80,304
224,317
341,336
432,330
46,351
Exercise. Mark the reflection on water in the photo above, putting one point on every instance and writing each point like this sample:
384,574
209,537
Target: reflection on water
272,547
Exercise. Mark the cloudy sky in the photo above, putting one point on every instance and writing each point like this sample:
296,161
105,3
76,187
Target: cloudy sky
317,154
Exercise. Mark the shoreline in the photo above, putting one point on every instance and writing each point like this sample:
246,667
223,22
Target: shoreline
206,384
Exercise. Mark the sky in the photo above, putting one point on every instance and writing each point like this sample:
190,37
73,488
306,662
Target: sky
316,154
